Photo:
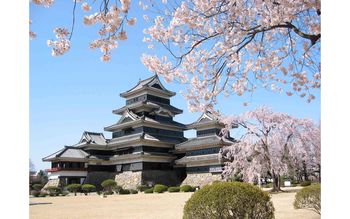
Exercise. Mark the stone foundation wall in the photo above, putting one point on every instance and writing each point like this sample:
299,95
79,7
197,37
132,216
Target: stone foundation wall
131,180
200,179
128,179
53,182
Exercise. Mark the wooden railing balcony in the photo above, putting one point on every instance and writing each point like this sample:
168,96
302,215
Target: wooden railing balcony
55,169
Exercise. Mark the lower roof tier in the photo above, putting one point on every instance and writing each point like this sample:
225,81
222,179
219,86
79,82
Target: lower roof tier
143,138
201,143
200,160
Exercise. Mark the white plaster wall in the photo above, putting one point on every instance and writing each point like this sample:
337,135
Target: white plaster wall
55,175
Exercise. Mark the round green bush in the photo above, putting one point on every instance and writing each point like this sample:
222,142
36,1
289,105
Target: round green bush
87,188
37,187
147,191
43,194
187,188
174,189
73,188
124,191
229,200
35,193
108,185
159,188
133,191
53,190
142,188
309,198
305,183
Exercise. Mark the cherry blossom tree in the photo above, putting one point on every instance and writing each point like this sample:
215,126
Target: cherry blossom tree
216,46
274,144
225,47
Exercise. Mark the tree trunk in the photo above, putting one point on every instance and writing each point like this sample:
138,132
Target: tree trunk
276,183
319,173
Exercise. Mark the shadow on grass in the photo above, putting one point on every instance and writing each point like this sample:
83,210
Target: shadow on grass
40,203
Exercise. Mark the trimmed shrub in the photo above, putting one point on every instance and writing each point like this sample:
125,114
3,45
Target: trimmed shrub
53,190
117,189
133,191
305,183
74,188
87,188
43,194
64,193
147,191
108,185
124,192
188,188
268,185
229,200
174,189
37,187
35,193
309,198
142,188
159,188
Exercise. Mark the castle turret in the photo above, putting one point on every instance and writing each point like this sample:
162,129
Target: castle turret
145,134
201,154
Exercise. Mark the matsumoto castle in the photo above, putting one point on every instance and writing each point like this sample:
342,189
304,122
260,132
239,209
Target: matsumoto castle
147,146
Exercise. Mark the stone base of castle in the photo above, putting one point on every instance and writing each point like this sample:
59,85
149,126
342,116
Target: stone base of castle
130,180
201,179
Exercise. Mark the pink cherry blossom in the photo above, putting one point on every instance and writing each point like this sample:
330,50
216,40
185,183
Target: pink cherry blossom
273,144
85,6
62,44
235,46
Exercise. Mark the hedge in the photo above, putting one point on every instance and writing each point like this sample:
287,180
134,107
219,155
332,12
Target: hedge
305,183
147,191
124,192
133,191
309,198
159,188
174,189
188,188
142,188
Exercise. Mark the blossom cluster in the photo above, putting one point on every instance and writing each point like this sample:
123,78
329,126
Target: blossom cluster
109,16
233,47
62,44
111,30
45,3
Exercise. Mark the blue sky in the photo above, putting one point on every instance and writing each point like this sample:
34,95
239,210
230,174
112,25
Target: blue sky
77,92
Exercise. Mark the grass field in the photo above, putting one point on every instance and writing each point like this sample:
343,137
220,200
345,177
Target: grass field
145,206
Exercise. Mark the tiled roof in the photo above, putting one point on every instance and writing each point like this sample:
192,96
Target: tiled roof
148,83
67,152
148,103
200,158
93,137
201,142
206,119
